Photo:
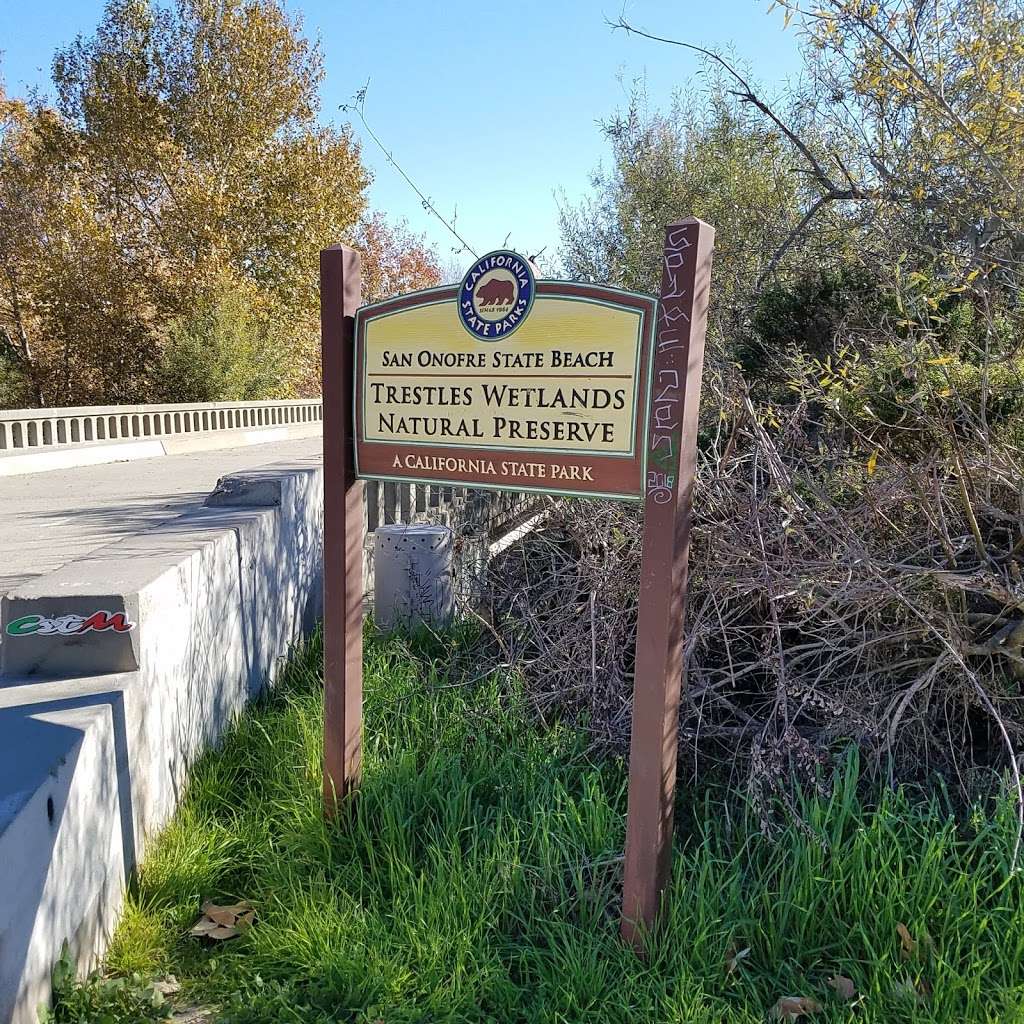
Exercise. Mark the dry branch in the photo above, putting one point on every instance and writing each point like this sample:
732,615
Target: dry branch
814,620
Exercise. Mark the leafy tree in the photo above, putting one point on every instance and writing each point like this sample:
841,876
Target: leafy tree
205,116
920,105
706,158
871,204
29,198
809,312
906,129
224,350
393,260
184,165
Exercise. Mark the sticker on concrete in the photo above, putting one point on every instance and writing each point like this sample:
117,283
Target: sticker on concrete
69,625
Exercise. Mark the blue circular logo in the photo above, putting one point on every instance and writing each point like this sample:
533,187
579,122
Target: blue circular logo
496,294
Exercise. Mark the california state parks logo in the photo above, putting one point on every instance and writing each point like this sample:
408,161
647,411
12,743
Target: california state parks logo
496,294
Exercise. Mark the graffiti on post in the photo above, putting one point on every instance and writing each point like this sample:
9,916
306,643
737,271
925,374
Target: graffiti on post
659,672
673,328
660,486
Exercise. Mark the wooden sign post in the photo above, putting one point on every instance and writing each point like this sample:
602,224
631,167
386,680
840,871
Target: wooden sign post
511,383
340,295
658,678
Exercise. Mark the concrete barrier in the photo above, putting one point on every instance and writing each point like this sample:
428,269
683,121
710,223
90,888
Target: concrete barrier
98,729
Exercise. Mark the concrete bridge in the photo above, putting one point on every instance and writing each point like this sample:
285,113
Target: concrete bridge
156,565
197,530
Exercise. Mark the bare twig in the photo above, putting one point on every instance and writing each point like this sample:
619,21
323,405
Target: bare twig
357,106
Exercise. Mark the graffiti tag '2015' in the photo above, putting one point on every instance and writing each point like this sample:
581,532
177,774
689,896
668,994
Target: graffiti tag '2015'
69,625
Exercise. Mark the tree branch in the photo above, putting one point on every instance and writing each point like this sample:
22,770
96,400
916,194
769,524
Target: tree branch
792,237
832,192
748,96
357,104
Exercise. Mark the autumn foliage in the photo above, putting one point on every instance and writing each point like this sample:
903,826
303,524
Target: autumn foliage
160,224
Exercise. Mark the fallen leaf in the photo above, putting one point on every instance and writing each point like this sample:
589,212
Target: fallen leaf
226,916
872,463
843,986
224,922
909,945
220,915
733,958
791,1007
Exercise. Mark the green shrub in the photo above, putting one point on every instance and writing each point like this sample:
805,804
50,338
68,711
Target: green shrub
810,315
227,349
909,396
99,1000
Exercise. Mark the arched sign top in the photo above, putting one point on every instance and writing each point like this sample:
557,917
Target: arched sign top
507,382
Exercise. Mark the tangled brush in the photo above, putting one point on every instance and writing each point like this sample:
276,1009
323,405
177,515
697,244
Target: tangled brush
831,601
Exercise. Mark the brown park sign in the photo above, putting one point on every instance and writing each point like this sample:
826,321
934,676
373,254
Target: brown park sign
504,381
559,403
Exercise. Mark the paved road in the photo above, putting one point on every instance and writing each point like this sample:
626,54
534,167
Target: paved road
47,519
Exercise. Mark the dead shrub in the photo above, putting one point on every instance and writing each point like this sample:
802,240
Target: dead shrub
833,600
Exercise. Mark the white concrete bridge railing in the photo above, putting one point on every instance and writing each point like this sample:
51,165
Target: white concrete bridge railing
26,429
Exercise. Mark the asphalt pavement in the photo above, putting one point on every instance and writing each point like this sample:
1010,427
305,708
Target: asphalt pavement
48,519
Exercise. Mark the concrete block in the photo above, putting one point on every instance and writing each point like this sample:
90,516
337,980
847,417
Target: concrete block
63,849
43,633
254,488
412,569
218,596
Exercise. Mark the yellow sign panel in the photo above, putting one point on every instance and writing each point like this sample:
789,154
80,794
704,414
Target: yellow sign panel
568,381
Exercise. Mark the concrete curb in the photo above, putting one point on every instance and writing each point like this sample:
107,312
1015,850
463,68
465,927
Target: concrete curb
69,456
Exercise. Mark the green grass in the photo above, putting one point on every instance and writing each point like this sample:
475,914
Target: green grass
476,879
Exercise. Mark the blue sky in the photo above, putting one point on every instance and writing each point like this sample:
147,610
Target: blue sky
492,109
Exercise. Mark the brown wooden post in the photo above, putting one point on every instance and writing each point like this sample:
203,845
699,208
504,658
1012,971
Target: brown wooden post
340,288
671,462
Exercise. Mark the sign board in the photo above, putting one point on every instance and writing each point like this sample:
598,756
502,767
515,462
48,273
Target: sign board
447,391
509,382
